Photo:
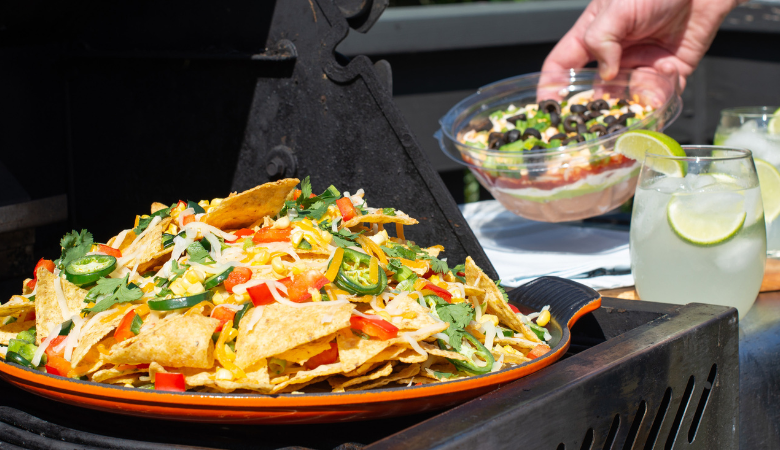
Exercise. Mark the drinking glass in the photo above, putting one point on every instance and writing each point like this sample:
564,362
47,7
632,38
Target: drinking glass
697,229
756,128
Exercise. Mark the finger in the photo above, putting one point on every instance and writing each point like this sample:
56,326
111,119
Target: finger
658,58
605,34
570,52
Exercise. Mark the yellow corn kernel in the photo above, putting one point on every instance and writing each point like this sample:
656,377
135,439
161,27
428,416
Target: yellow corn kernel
218,298
224,375
172,229
262,256
178,288
385,315
240,298
450,278
297,269
442,285
297,237
489,317
418,285
142,310
196,288
192,277
204,204
200,274
215,202
315,295
409,315
148,287
282,223
435,280
543,318
278,266
510,349
457,300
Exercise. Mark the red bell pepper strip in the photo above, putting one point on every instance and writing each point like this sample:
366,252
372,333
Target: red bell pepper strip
223,315
329,356
123,330
244,232
46,263
346,208
261,294
109,251
539,350
271,235
169,382
239,275
56,364
513,308
436,290
374,327
187,219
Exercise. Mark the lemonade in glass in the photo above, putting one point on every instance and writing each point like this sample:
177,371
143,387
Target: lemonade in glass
697,229
757,128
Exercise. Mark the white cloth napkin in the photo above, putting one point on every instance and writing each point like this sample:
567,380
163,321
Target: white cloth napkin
522,250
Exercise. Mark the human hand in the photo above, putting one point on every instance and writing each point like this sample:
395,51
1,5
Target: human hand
668,36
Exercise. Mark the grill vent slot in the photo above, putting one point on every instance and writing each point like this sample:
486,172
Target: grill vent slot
659,419
686,398
705,395
561,446
612,432
632,432
587,442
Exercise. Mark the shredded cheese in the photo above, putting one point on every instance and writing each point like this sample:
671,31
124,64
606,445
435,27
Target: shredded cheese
408,338
54,331
73,336
61,298
257,314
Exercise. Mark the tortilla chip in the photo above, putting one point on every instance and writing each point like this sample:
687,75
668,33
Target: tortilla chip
246,208
296,387
15,304
283,327
511,358
411,356
308,375
96,332
354,351
379,217
404,373
301,354
175,341
435,350
392,352
416,380
151,243
126,241
421,317
365,368
199,377
515,342
9,331
339,383
156,206
126,380
113,372
496,304
47,307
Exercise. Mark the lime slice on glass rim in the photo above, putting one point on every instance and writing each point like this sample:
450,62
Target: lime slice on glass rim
634,145
773,127
769,181
703,227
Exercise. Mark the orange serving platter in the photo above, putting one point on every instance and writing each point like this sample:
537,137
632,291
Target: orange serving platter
568,302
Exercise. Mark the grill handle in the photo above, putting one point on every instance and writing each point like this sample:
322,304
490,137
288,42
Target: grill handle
568,299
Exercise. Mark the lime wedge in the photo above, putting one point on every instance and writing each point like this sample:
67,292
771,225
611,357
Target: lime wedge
705,226
773,127
769,179
634,145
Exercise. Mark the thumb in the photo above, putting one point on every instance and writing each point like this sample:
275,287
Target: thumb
604,37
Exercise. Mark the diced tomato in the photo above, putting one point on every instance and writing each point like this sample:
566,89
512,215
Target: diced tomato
30,316
297,193
436,290
261,294
47,264
539,350
239,275
513,308
123,330
461,274
169,382
187,219
375,327
55,342
244,232
223,315
346,208
327,357
298,288
109,251
271,235
57,365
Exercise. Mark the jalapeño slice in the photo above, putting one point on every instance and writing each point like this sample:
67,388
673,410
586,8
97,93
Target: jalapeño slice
215,280
240,314
178,303
89,269
468,365
353,275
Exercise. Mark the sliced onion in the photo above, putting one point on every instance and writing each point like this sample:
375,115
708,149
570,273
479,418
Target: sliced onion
73,336
443,337
497,365
61,298
408,338
204,227
257,314
54,331
216,247
120,238
186,212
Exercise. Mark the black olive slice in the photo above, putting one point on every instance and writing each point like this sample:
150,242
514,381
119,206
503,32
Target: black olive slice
532,132
512,135
570,123
578,109
550,106
615,127
598,105
600,129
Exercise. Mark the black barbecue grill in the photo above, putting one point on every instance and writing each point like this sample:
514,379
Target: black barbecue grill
198,98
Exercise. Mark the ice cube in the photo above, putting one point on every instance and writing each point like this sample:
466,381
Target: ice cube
755,142
699,182
669,185
750,126
738,254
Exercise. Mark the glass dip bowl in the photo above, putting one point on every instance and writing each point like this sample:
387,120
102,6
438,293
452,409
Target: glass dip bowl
577,181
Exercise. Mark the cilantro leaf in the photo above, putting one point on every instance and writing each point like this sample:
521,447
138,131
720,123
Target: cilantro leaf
441,375
74,246
388,211
144,222
438,265
199,254
503,292
458,315
305,188
110,291
460,268
398,251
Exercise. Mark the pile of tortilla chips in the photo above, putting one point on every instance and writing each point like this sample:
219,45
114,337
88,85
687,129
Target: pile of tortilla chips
278,346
